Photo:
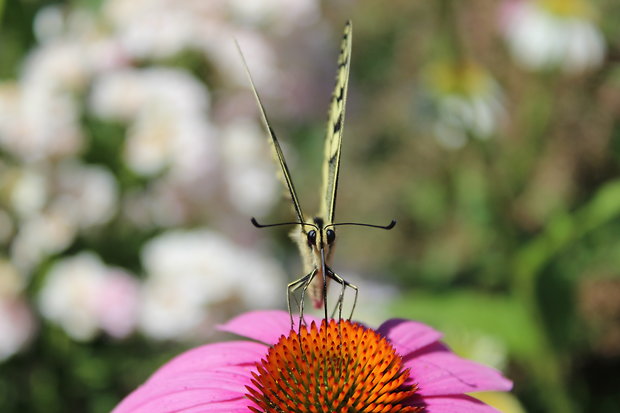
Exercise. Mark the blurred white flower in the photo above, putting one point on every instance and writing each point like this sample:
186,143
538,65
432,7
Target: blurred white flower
37,123
164,28
124,94
77,30
55,22
56,67
160,204
286,14
160,138
553,34
171,310
40,114
159,29
250,174
261,282
40,236
466,101
258,53
54,204
118,95
83,295
43,121
69,295
167,110
49,23
86,194
190,273
29,191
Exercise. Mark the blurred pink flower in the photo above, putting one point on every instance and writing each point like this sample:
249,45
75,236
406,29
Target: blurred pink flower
17,325
118,303
420,373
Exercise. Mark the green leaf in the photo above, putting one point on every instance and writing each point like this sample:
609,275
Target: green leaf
497,315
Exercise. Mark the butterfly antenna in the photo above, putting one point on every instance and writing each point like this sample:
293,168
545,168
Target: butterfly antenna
279,224
386,227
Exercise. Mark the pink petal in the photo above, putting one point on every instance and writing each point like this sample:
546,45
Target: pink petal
444,373
408,336
454,404
188,390
207,377
264,326
184,399
236,406
230,353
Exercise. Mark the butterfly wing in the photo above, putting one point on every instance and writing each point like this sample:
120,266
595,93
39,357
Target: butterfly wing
335,124
275,145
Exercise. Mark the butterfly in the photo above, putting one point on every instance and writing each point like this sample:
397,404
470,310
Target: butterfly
316,236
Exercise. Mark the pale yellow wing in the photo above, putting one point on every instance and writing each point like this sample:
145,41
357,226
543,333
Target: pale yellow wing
335,124
275,145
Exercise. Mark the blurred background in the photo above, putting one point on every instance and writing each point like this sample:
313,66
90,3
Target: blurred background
132,158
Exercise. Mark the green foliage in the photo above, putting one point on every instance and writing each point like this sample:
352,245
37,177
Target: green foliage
500,316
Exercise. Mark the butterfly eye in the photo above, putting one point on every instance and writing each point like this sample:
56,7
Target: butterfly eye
331,235
312,238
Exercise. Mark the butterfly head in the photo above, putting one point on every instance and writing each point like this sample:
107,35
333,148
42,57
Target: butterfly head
318,235
317,240
320,238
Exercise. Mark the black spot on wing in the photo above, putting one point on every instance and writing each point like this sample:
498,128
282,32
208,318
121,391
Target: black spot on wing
340,94
338,124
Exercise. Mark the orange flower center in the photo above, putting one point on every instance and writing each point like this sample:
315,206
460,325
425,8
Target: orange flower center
341,367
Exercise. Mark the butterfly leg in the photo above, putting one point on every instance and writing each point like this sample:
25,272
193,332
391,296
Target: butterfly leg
344,283
354,288
310,277
303,282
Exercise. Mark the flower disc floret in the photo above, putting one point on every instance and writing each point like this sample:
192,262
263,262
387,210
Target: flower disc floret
339,367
